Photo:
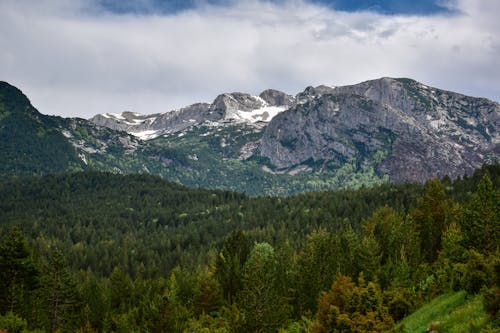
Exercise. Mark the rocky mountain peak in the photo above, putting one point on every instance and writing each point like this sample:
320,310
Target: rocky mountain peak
277,98
403,128
420,131
313,92
363,134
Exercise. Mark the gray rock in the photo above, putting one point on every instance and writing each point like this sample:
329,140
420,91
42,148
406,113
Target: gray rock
277,98
410,131
423,132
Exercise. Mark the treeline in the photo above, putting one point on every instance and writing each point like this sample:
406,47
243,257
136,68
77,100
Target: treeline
94,252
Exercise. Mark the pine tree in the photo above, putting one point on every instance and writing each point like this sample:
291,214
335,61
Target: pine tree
481,222
18,274
229,264
61,296
431,217
263,308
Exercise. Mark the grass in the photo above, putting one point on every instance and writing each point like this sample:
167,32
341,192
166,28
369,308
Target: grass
454,312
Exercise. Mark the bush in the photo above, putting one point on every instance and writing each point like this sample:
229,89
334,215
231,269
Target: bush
12,323
477,273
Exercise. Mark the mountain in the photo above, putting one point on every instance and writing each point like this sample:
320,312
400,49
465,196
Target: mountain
274,143
421,132
233,107
31,143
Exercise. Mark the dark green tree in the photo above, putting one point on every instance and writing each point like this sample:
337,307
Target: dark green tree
317,265
208,293
229,264
18,274
431,216
120,290
481,221
60,294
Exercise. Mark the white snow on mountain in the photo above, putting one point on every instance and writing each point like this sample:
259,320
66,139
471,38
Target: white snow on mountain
146,135
264,114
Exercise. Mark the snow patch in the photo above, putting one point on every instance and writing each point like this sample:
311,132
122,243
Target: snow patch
145,135
114,115
264,114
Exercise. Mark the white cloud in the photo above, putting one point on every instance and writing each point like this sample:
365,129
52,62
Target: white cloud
72,59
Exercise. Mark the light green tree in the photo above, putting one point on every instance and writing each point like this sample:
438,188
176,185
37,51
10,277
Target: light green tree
264,310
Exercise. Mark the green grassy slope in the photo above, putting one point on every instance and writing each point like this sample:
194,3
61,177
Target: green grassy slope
454,312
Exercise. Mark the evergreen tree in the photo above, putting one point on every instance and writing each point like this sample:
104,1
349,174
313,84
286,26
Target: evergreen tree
263,308
431,216
229,264
481,221
317,265
18,274
60,294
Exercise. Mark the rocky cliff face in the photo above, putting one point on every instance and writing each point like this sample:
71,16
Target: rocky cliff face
418,132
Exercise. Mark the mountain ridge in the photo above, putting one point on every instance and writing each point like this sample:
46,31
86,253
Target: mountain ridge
322,138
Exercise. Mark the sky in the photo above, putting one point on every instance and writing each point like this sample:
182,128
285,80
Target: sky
78,58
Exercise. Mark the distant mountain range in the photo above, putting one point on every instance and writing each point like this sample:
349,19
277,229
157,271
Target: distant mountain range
323,138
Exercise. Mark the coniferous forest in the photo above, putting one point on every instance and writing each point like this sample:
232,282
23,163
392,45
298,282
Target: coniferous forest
100,252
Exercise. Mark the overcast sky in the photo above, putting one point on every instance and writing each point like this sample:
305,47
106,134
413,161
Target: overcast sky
83,57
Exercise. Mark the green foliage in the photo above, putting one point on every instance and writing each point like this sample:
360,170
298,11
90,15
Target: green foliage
263,308
397,247
400,303
491,303
102,221
431,217
478,273
352,308
18,274
207,324
481,220
111,253
230,262
208,293
12,323
316,268
59,294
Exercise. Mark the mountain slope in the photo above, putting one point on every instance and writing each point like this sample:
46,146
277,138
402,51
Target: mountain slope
30,142
399,128
422,132
323,138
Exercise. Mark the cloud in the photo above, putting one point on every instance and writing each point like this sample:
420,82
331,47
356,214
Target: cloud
73,58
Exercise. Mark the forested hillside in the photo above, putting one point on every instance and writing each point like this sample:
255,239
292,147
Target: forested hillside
99,252
31,143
